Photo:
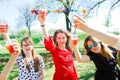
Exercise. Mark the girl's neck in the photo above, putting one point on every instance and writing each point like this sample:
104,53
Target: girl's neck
29,55
62,47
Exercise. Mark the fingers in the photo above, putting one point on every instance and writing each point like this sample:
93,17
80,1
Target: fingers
16,48
3,28
76,23
78,17
42,16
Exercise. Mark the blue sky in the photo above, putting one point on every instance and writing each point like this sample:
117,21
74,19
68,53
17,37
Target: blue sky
9,12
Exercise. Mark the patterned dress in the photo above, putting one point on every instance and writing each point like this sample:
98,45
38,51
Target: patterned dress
24,74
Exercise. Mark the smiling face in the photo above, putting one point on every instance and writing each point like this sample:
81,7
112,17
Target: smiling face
92,44
61,39
27,46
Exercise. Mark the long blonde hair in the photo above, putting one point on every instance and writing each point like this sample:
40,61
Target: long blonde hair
34,55
105,51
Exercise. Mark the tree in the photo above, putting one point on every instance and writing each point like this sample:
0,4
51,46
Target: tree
26,17
67,5
110,6
91,6
108,23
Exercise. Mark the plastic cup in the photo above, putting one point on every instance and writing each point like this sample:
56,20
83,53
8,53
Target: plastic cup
3,27
75,39
10,46
44,13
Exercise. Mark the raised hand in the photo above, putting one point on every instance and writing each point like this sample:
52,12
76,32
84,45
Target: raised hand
42,16
3,28
13,47
78,22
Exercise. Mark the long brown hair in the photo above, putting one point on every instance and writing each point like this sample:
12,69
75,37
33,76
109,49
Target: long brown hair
105,51
67,35
34,55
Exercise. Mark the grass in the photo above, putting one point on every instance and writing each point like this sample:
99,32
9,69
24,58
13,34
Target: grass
85,71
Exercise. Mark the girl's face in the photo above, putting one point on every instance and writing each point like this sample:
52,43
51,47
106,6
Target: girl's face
94,46
27,48
61,39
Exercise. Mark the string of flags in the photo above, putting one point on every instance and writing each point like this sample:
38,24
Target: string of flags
83,11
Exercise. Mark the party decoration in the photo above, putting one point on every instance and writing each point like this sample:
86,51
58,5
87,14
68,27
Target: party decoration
83,11
35,11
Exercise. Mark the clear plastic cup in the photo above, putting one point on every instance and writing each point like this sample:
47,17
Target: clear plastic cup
74,39
3,27
10,45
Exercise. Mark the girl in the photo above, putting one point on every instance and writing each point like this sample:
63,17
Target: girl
60,52
103,56
30,64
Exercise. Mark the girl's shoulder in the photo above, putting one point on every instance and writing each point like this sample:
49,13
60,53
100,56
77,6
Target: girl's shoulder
114,50
39,57
20,56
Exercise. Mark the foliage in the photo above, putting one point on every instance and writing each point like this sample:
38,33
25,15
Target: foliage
26,18
93,7
36,38
1,37
82,69
21,33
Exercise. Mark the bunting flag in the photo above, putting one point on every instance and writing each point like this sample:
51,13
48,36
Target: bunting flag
83,11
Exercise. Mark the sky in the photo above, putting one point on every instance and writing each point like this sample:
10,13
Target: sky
9,12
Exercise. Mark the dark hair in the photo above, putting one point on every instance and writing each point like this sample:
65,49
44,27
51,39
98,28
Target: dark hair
88,38
105,51
67,35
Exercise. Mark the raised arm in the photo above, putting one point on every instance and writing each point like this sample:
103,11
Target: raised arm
42,17
8,67
110,39
78,55
6,70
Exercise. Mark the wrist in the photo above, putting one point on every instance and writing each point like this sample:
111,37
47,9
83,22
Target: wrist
42,25
6,37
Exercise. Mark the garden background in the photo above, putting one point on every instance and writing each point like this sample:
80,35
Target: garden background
100,14
85,71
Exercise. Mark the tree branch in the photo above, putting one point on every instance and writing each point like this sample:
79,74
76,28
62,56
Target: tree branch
97,4
113,7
